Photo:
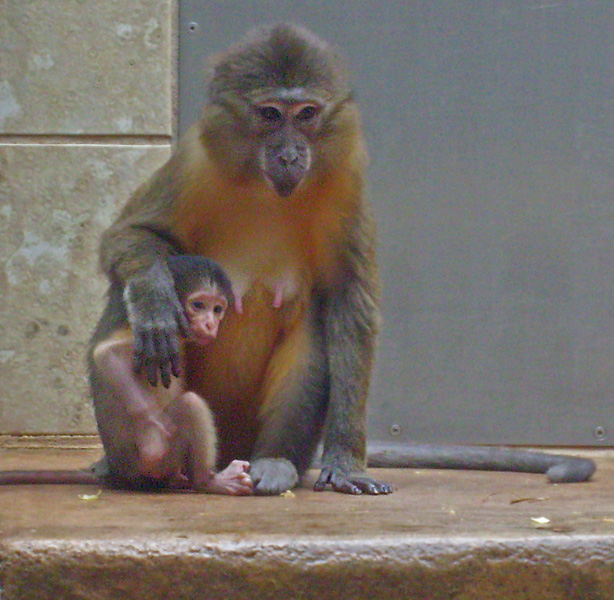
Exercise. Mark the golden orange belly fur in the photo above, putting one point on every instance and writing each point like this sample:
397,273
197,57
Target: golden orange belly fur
230,373
273,253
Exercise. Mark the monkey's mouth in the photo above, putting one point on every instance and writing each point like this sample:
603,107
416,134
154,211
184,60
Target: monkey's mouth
201,340
284,186
285,168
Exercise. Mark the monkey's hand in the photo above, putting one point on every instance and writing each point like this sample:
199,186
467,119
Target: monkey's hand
157,319
350,483
273,476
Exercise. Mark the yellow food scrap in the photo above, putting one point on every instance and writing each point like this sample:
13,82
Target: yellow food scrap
90,497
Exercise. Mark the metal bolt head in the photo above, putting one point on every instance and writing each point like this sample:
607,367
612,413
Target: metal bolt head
395,430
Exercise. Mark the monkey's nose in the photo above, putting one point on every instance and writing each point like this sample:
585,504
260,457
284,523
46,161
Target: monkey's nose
288,157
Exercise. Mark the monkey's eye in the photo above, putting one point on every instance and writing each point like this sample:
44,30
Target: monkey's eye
270,114
198,305
307,113
218,309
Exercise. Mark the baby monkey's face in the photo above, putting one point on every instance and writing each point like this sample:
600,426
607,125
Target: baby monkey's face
204,309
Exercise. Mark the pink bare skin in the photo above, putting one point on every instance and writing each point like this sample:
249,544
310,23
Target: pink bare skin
233,480
204,311
280,289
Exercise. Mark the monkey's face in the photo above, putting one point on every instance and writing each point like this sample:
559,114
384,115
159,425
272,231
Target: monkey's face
286,127
204,309
277,110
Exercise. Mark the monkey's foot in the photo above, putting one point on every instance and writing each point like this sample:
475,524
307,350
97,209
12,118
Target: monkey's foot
273,476
356,483
234,480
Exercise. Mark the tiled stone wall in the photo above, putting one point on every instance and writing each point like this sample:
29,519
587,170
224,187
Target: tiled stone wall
86,114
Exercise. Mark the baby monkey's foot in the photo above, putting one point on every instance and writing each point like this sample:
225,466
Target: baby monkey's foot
234,480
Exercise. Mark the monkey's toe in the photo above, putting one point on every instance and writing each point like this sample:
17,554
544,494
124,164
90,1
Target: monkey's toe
354,484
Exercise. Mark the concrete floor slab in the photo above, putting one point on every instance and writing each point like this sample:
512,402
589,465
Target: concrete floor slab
441,535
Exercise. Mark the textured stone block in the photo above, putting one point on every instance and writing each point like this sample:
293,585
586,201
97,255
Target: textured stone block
82,66
54,203
442,535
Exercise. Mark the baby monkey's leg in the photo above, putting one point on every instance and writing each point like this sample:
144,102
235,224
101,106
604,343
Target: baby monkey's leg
195,425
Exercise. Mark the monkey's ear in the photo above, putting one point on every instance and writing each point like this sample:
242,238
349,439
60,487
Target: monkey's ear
230,297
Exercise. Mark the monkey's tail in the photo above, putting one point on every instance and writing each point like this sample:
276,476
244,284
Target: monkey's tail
48,477
559,468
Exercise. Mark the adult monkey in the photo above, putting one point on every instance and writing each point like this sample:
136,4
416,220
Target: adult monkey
270,184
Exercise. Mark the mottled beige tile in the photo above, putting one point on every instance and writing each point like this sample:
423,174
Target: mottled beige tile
54,203
85,66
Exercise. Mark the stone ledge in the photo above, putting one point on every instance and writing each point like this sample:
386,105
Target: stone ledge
441,535
46,442
314,568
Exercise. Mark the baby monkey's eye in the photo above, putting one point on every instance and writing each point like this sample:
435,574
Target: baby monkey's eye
218,309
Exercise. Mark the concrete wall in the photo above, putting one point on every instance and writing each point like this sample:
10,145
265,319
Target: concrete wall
86,114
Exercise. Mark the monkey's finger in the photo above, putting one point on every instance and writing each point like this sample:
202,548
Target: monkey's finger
164,360
151,373
168,356
165,374
175,365
323,479
137,354
151,363
174,356
338,481
182,322
368,485
344,485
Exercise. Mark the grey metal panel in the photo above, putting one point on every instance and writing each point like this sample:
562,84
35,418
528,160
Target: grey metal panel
491,131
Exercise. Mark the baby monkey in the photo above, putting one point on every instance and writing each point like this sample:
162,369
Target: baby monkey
173,428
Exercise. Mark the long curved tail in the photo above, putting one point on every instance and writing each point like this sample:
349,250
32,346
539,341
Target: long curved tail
48,477
559,468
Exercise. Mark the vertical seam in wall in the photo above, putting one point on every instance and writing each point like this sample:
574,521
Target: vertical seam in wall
174,44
